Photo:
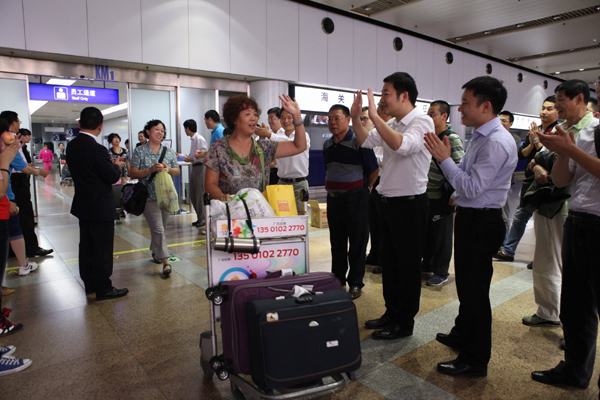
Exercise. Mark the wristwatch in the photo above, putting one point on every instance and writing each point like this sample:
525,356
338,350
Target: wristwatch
536,141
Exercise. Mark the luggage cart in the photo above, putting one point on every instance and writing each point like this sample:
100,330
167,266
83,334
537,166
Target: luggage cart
276,236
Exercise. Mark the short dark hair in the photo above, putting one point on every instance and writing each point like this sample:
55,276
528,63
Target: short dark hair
24,132
573,88
511,117
235,105
126,142
443,105
276,111
551,99
9,116
191,125
212,114
112,136
344,109
4,125
486,88
151,124
594,104
403,82
365,108
90,118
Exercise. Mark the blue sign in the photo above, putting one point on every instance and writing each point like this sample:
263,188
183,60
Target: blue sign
74,94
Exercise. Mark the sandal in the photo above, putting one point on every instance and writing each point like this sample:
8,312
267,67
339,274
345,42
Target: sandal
166,270
155,261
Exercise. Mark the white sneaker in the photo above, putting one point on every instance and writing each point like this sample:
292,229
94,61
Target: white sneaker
10,365
30,267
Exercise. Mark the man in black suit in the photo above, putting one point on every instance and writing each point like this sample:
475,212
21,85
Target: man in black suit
93,173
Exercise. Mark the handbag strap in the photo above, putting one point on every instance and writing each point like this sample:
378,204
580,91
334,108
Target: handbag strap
160,160
249,219
261,155
228,220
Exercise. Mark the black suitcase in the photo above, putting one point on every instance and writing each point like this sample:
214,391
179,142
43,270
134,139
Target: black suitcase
295,341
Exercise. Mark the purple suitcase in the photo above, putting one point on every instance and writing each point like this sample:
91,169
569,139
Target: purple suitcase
234,328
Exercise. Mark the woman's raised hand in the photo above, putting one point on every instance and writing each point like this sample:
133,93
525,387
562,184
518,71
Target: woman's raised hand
290,105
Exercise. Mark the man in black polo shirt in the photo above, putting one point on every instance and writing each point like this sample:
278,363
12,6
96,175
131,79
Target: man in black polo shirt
351,172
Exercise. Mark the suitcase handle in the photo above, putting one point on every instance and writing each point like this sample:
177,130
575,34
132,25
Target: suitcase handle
277,274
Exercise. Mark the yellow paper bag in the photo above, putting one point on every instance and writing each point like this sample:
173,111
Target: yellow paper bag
281,198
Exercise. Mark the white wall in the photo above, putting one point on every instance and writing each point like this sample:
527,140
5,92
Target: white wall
272,39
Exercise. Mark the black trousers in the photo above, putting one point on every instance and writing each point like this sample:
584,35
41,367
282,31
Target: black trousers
402,225
580,296
348,224
374,211
438,242
96,254
20,187
477,235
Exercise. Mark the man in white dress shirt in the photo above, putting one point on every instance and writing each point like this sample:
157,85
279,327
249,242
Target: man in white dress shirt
198,150
403,186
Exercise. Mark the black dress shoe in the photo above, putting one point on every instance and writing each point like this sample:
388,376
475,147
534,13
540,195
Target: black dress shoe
113,294
449,340
355,292
554,377
378,323
377,270
457,368
39,252
394,331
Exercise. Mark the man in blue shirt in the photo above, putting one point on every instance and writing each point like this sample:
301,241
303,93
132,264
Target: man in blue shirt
213,122
482,181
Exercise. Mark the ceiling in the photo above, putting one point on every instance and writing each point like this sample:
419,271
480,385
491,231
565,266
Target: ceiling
520,31
67,113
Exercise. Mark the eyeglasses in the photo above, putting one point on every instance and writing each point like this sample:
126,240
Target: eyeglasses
272,118
433,114
505,121
334,119
363,119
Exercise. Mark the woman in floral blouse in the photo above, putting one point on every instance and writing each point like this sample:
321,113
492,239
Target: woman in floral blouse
143,164
234,161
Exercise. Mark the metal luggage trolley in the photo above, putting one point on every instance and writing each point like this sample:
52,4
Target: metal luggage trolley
279,240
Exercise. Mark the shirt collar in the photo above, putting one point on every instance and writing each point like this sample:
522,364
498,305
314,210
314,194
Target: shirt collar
489,127
583,122
410,116
347,137
96,138
214,129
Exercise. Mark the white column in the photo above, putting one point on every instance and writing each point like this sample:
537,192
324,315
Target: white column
266,94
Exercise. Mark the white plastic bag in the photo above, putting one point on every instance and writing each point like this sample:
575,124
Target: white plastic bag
258,206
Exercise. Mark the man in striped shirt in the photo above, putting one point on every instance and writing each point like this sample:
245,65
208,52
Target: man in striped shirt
351,172
438,239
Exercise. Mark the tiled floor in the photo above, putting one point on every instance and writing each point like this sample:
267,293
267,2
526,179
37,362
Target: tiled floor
145,345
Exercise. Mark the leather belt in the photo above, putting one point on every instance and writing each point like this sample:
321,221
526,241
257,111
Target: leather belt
197,164
581,218
469,210
292,180
346,193
401,198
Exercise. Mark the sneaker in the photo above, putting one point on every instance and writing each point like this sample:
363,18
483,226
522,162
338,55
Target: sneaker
10,365
29,267
7,351
7,327
437,280
534,320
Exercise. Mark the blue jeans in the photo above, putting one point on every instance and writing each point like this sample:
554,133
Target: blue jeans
517,229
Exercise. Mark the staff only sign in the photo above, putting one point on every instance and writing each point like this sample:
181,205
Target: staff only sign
74,94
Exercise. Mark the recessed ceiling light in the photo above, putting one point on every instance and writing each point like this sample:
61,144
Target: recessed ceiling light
487,32
62,82
593,40
368,8
556,18
113,109
582,69
557,73
520,25
458,38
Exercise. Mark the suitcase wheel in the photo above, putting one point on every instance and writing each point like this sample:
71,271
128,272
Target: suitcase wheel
216,363
215,295
223,374
217,299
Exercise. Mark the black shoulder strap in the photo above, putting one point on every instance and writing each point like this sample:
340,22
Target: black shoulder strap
162,157
597,140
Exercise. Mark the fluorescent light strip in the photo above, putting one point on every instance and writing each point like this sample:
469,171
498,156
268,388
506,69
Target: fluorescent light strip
61,82
35,105
113,109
